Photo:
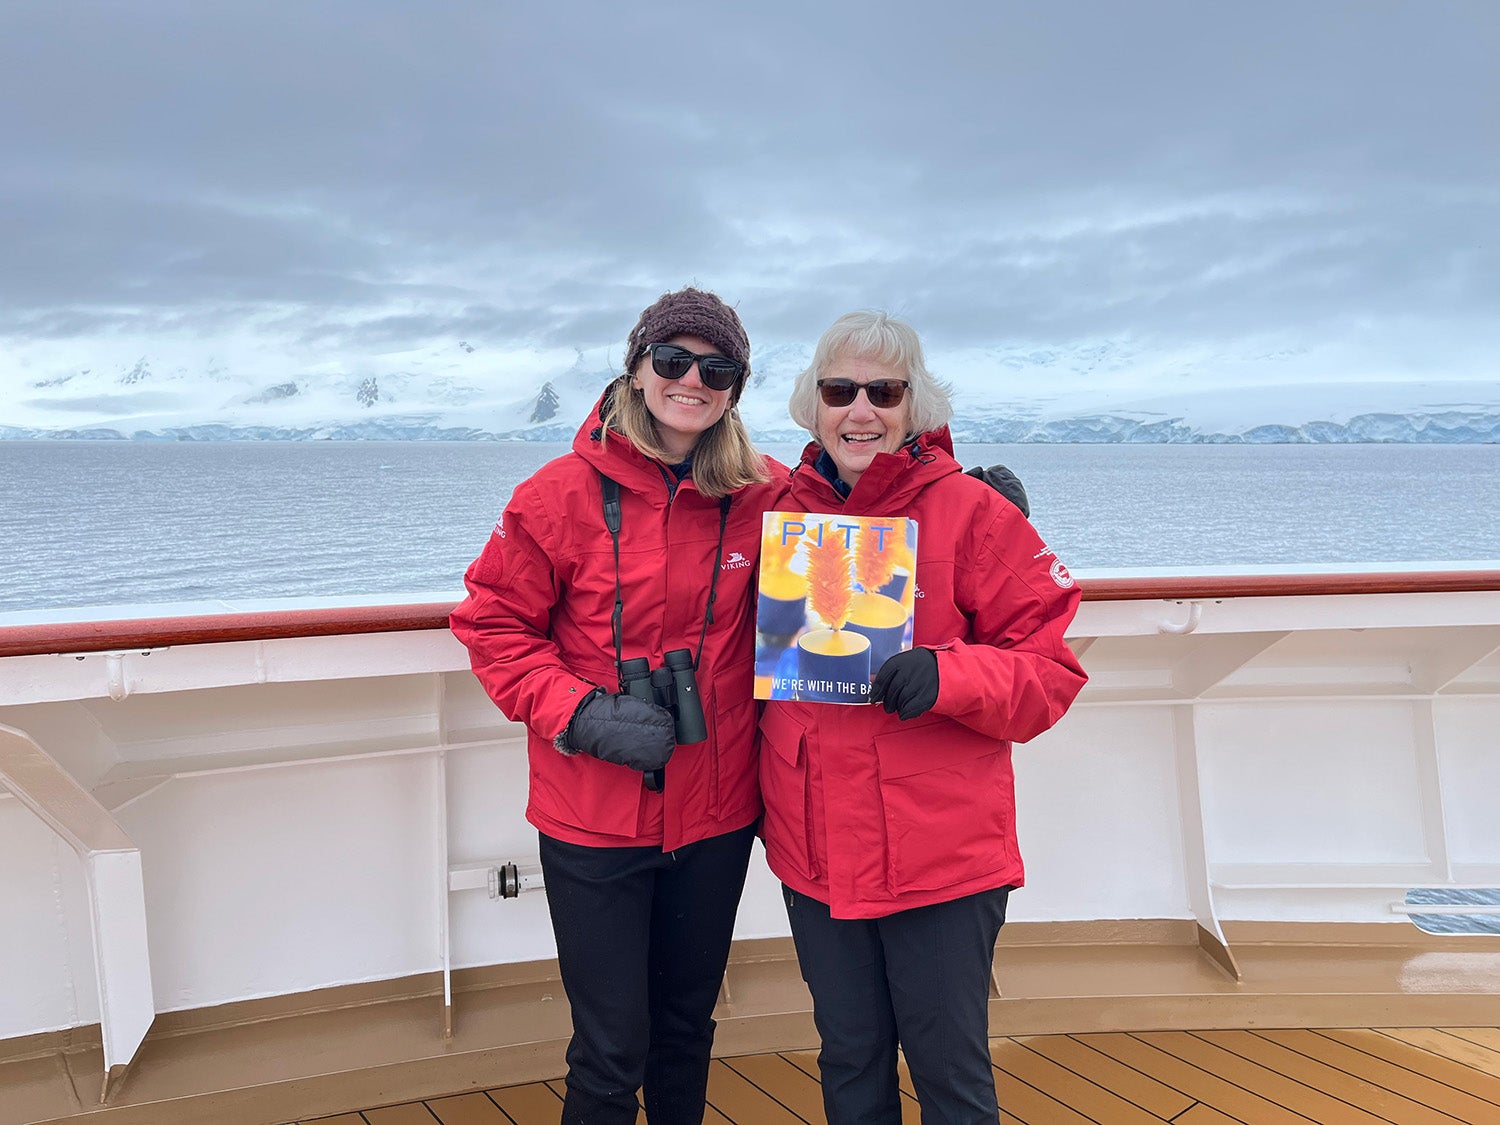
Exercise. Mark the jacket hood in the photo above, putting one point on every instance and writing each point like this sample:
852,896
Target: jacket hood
892,479
618,459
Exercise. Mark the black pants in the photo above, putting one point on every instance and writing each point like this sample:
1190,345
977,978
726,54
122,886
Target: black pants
920,978
642,939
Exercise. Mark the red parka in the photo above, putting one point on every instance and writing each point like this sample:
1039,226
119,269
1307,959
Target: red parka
536,623
871,814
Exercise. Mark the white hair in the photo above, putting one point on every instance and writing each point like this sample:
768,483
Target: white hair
877,336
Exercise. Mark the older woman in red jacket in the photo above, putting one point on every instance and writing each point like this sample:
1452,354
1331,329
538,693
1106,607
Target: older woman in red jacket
892,825
629,548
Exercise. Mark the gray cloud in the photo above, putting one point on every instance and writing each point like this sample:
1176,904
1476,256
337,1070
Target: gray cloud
374,175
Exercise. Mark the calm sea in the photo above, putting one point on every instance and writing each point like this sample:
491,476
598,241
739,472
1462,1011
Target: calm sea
111,523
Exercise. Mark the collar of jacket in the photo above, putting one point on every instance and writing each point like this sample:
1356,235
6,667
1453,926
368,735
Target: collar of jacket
891,481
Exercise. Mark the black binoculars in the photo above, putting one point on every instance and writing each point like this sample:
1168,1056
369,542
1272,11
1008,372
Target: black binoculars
673,686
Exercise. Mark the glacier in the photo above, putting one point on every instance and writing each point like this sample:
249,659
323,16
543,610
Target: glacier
1444,428
461,392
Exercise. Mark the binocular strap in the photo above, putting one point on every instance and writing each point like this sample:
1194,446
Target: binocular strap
609,489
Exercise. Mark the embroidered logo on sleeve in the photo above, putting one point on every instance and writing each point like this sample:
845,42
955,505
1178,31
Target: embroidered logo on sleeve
1060,574
500,526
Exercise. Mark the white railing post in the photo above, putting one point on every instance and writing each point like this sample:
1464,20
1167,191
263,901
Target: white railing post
117,896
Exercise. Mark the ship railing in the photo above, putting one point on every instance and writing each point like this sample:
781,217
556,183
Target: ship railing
1256,716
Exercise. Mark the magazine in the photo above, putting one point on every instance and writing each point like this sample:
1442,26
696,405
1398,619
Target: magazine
835,602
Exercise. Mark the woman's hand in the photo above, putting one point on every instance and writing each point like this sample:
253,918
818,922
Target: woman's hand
907,683
620,729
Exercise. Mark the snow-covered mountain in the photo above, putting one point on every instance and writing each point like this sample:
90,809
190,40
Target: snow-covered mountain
1090,393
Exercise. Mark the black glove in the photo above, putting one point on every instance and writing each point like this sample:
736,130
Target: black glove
907,683
621,729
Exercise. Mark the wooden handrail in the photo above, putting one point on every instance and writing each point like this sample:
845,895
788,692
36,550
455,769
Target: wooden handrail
142,633
159,632
1198,588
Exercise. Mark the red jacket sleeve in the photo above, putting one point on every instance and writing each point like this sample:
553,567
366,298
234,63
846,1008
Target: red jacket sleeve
512,589
1013,676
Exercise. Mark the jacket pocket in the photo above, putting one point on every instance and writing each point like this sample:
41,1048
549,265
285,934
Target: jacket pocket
786,823
949,805
581,791
736,784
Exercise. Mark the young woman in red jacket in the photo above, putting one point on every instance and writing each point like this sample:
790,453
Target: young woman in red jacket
892,825
645,822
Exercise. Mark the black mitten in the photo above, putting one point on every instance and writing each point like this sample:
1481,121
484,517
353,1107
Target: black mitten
907,683
621,729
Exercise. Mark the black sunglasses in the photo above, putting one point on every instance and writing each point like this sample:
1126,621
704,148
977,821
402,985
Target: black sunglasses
882,393
717,371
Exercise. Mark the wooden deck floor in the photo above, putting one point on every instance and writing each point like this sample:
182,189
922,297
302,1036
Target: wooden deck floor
1360,1076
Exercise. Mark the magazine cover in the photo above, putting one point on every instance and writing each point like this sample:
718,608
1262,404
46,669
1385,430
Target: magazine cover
835,600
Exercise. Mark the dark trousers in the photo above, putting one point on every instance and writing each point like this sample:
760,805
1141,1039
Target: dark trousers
642,939
920,979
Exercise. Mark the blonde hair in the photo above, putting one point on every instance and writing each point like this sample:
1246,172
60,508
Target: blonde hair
724,460
874,335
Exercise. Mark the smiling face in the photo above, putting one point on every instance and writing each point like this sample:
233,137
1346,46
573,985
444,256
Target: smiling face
684,408
854,434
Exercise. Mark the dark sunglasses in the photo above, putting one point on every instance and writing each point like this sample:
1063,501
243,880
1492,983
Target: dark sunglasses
717,371
882,393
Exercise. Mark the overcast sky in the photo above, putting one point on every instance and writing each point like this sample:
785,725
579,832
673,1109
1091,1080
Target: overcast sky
324,181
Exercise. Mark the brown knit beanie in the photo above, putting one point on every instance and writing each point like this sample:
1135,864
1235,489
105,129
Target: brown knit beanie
690,312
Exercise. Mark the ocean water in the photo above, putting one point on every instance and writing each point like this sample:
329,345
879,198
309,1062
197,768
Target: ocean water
85,524
1436,922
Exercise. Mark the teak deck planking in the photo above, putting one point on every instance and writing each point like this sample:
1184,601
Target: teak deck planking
1355,1076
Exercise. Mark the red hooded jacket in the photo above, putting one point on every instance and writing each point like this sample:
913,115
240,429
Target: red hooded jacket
536,623
871,814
